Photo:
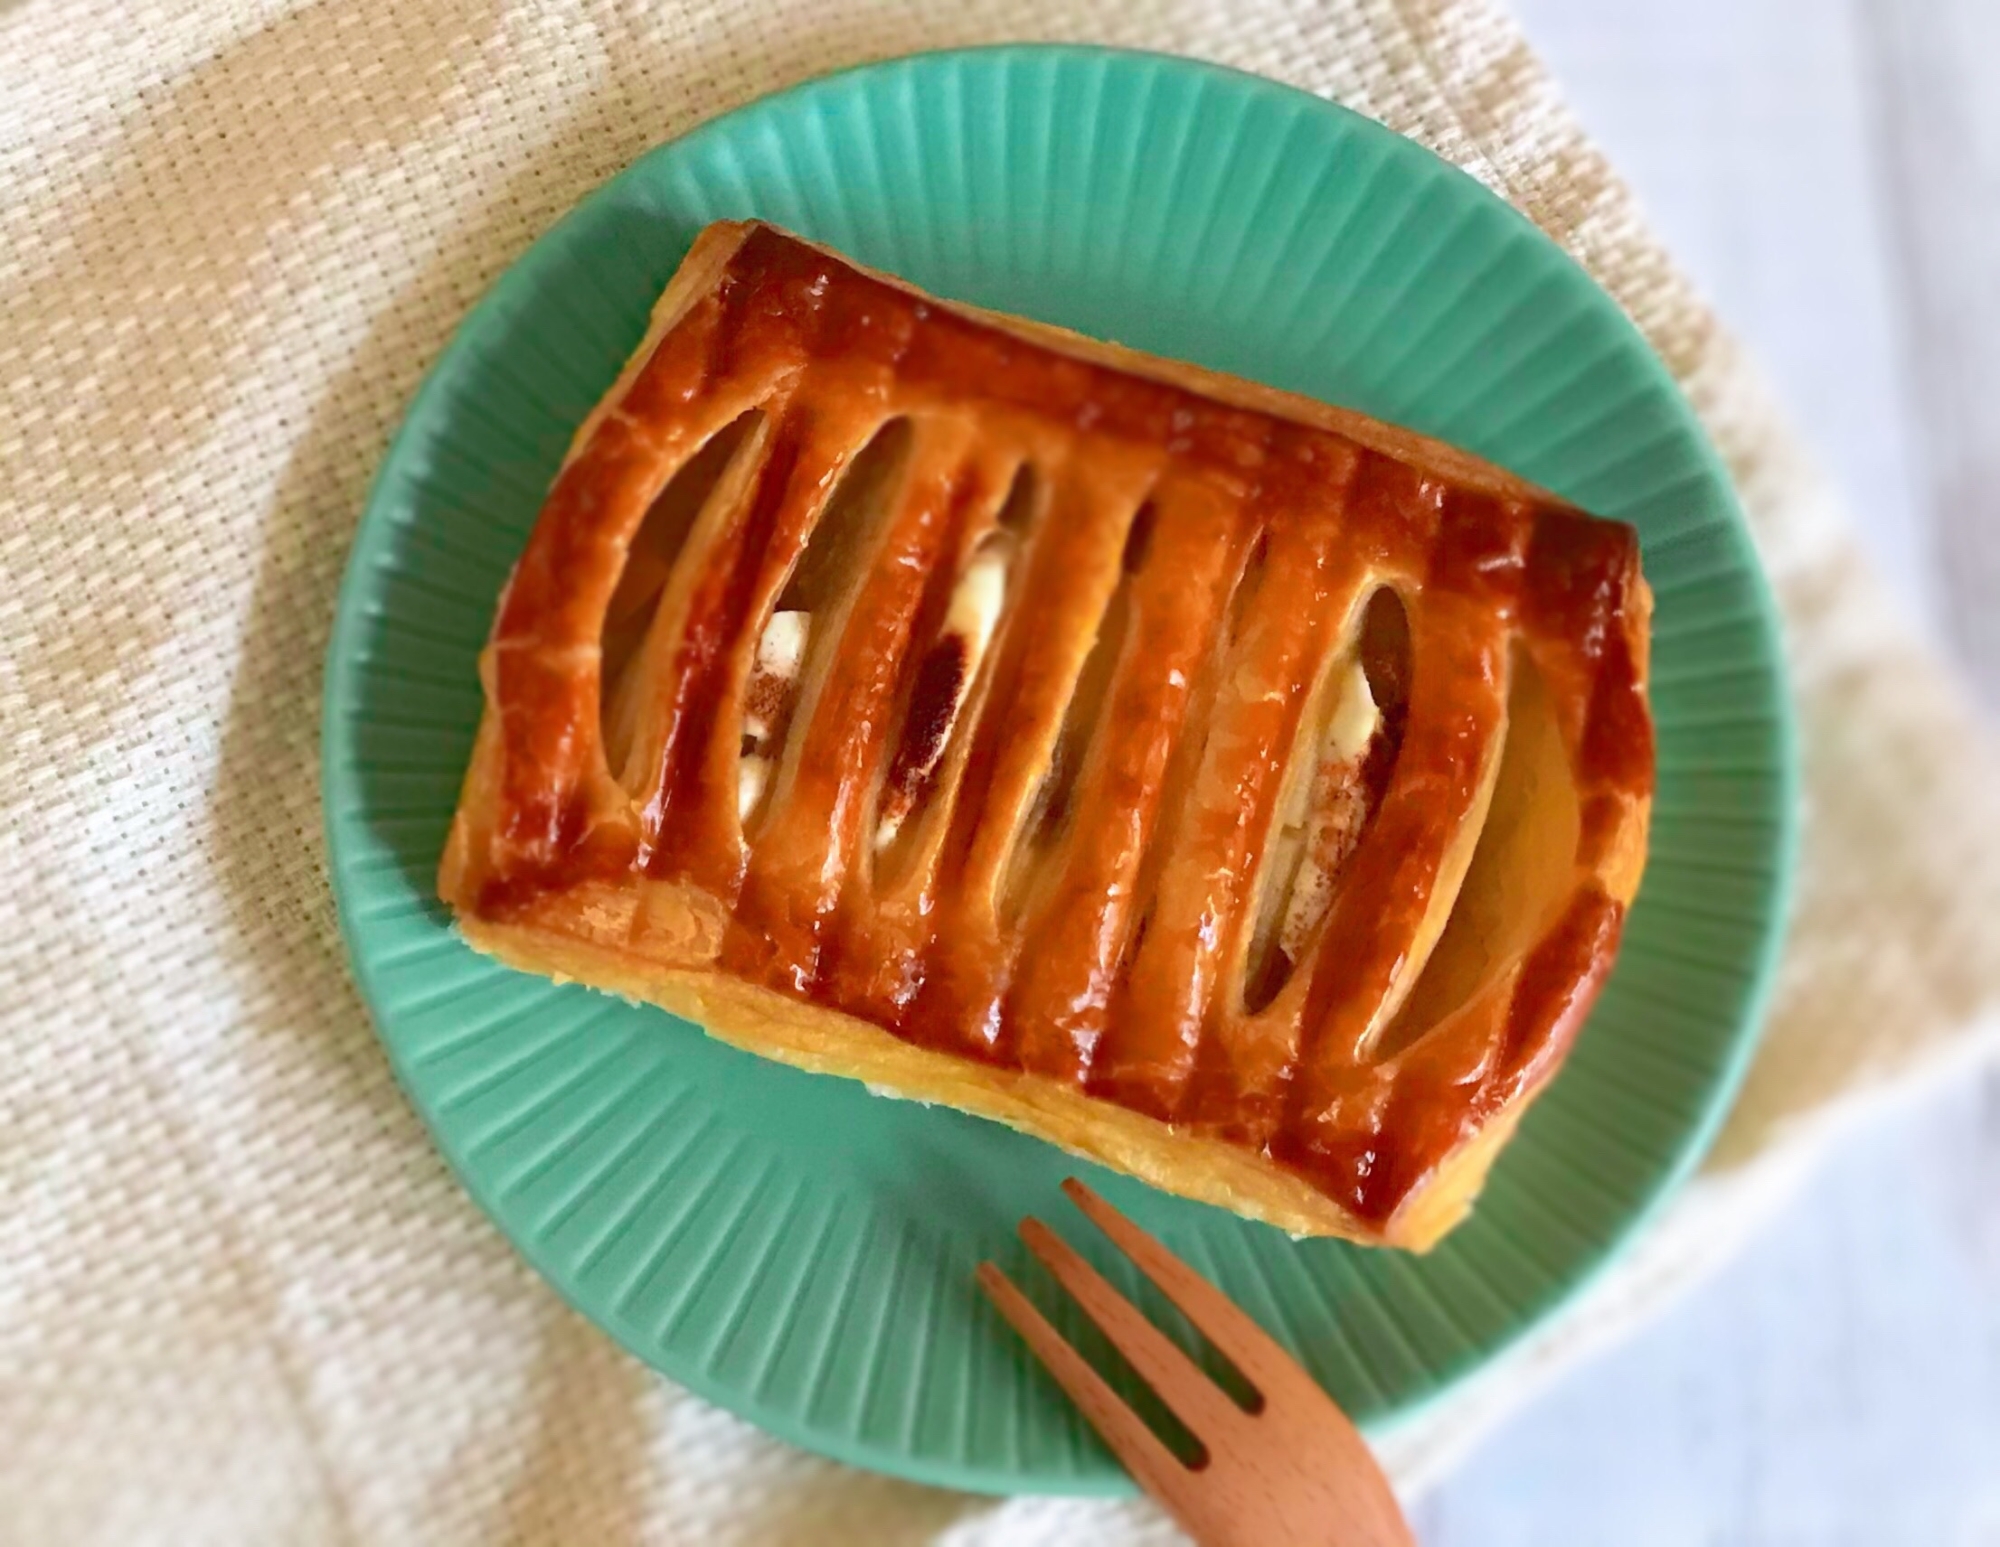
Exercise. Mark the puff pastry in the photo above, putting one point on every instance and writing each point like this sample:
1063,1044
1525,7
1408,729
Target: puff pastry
1230,788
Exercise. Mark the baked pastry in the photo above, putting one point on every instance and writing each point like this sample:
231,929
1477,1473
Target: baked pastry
1229,788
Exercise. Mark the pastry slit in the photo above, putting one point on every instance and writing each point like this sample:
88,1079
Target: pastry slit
639,623
832,571
1337,771
1087,701
946,679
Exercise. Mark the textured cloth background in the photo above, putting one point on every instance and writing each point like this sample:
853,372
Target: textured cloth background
240,1300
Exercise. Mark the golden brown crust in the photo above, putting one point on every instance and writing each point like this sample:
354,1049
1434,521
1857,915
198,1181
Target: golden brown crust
1176,571
1436,458
1189,1163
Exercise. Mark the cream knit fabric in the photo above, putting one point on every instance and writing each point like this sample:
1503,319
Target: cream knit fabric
240,1300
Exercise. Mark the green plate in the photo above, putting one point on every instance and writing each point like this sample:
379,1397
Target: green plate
799,1250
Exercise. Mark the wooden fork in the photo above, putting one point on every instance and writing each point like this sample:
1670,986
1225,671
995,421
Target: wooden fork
1290,1472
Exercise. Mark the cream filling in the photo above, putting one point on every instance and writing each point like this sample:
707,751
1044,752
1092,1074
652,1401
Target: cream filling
767,702
971,618
1323,817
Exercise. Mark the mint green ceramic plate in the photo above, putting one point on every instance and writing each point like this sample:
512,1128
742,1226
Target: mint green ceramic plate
792,1247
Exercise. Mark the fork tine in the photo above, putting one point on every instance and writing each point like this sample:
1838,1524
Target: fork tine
1181,1383
1252,1350
1143,1453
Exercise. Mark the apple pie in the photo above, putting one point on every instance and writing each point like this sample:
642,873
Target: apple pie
1235,790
